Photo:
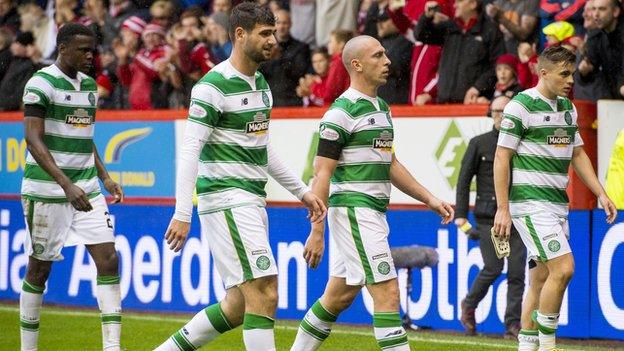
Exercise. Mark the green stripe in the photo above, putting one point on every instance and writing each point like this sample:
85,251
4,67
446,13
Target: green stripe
182,343
362,173
58,83
43,99
541,193
70,145
211,185
238,244
541,164
541,328
232,85
111,318
539,135
255,321
314,332
321,313
60,112
48,199
230,153
535,238
238,120
355,232
354,199
366,137
217,318
392,342
386,319
29,221
212,114
30,326
35,172
108,280
529,332
532,104
33,289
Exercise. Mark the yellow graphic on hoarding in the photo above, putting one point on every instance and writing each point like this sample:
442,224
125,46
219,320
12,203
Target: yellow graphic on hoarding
120,141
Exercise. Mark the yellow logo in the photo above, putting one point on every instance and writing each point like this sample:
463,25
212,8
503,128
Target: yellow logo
120,141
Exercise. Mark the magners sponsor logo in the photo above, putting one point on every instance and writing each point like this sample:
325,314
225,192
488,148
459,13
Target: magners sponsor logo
559,139
260,124
384,141
80,118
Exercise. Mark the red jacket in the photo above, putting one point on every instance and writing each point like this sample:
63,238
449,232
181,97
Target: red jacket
196,58
140,76
317,89
337,80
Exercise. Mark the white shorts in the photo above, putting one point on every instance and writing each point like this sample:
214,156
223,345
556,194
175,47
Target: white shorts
54,225
239,243
361,238
544,234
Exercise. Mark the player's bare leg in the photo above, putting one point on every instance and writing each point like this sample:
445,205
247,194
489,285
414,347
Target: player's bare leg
528,339
387,323
260,304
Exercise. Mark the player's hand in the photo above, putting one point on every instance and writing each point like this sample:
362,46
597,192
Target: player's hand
176,234
609,207
114,189
460,221
314,248
585,67
502,224
77,197
316,208
443,209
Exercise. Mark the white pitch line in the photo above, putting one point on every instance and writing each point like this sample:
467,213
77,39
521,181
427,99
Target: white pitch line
339,331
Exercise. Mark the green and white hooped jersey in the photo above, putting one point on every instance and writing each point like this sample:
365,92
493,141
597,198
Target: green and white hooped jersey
363,126
543,133
70,106
230,113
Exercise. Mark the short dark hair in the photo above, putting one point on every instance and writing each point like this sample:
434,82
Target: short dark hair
247,15
556,54
320,50
68,31
342,35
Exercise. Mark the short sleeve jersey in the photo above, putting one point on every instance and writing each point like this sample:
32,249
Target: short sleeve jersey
70,106
230,113
543,133
363,128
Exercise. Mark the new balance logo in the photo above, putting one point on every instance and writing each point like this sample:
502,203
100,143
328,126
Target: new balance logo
244,101
68,97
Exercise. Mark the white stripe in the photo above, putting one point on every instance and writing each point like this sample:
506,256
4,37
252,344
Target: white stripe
578,141
236,170
380,333
42,85
68,160
529,207
208,94
364,155
146,62
236,103
540,179
338,117
227,199
60,128
375,189
544,150
433,338
508,141
52,189
72,98
226,136
415,71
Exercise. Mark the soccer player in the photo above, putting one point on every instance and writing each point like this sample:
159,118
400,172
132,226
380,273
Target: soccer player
538,140
227,141
355,150
61,195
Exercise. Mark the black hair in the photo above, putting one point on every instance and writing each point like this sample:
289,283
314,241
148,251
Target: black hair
68,31
247,15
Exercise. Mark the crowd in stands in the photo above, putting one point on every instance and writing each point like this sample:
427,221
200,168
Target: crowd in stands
151,53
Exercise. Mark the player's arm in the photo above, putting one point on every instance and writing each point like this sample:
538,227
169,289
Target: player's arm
583,167
502,162
111,186
286,178
34,125
404,181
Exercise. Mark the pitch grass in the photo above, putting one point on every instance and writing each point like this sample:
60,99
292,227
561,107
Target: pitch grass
68,330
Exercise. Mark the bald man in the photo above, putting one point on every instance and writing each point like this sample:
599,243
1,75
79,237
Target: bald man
355,147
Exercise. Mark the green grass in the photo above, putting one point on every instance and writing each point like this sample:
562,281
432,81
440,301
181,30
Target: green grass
67,329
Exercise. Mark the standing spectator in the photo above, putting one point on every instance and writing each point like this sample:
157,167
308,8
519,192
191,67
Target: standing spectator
367,16
6,38
94,14
216,31
605,49
517,19
162,13
65,12
110,91
506,79
561,10
18,73
479,161
290,61
224,6
303,14
193,56
333,15
9,18
337,77
142,74
527,69
471,42
399,51
117,13
312,87
130,34
33,19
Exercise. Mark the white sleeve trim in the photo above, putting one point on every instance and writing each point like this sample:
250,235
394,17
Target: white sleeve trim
284,176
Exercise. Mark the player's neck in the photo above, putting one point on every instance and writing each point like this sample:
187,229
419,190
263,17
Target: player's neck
366,89
243,64
541,88
66,69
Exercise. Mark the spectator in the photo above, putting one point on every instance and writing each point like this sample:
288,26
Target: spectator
146,69
64,12
506,79
570,11
334,15
216,31
162,13
224,6
470,45
399,51
562,33
290,62
312,87
34,20
118,12
94,14
6,37
605,49
303,18
18,73
527,69
110,92
517,19
130,34
9,18
337,78
193,56
367,16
